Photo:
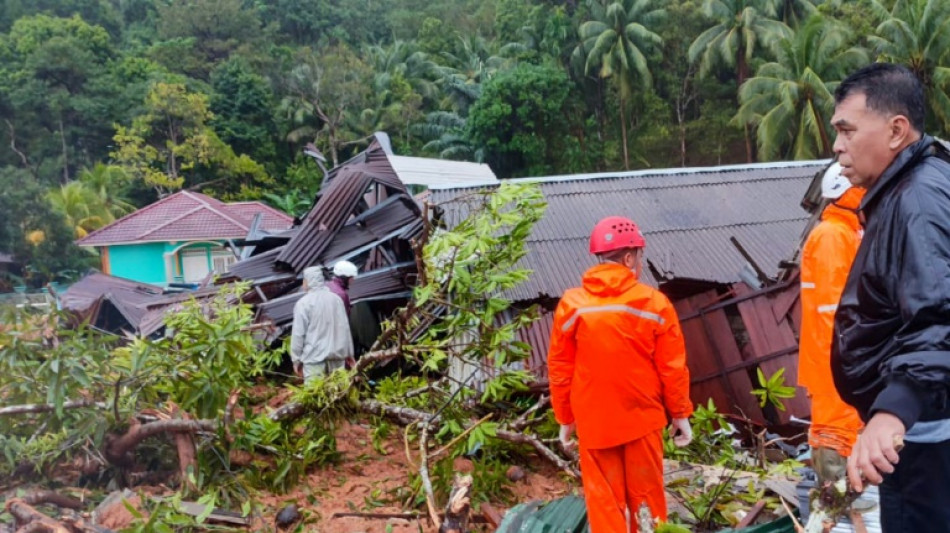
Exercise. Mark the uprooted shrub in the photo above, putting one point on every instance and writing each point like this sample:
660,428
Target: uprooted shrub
90,399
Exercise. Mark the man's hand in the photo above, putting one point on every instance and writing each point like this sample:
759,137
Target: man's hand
350,363
567,431
875,452
298,370
682,432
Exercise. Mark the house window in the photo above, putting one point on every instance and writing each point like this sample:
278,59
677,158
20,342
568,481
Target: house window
194,264
222,261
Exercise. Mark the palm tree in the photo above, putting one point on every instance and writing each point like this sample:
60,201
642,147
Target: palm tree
404,82
465,72
81,206
741,27
403,61
108,182
916,33
791,100
794,12
445,131
615,42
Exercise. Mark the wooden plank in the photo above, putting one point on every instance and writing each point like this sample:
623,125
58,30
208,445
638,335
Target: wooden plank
785,301
751,515
709,336
766,335
795,315
700,357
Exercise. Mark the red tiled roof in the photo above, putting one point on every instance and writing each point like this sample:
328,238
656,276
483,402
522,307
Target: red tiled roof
187,216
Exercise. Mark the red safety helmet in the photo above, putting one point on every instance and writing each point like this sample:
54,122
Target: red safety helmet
615,233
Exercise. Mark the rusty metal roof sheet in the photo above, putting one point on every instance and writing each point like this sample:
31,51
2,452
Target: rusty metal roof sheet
686,215
381,222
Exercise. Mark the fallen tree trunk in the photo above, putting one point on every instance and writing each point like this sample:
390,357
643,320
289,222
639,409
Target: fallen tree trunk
29,519
119,450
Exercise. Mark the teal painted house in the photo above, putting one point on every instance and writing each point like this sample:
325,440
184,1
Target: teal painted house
181,238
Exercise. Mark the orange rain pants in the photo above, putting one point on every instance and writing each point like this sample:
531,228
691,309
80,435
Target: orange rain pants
621,478
826,261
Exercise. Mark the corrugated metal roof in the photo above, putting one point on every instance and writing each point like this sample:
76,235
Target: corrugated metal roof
83,294
441,172
260,266
389,280
186,216
686,215
564,515
337,202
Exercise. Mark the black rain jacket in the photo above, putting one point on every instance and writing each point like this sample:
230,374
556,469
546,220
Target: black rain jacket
891,349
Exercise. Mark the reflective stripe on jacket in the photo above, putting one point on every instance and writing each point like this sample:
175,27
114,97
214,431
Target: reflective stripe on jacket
826,261
617,361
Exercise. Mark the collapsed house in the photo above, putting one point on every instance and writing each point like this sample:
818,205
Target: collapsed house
364,212
722,244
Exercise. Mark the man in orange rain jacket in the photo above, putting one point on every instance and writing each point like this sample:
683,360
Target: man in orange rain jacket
826,261
617,369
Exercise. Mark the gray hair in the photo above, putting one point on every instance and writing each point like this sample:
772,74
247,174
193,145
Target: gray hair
313,276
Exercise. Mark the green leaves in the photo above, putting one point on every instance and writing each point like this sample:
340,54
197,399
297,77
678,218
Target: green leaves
773,390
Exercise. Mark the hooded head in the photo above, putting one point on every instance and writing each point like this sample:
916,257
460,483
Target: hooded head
313,277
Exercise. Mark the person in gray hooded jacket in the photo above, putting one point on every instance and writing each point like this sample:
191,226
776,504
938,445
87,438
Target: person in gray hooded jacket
320,339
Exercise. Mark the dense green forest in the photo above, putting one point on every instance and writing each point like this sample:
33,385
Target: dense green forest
108,104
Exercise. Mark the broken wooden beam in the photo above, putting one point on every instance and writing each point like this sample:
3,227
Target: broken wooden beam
459,506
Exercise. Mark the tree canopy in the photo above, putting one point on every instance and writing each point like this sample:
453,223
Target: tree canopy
222,95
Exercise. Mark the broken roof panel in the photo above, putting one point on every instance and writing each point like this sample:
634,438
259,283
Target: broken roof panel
397,279
336,205
382,222
686,215
257,267
83,294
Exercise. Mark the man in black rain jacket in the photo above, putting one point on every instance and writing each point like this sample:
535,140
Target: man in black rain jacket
891,351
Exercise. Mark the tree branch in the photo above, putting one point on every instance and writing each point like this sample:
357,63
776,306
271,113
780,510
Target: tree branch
23,158
406,415
296,409
543,451
47,496
522,421
424,474
32,408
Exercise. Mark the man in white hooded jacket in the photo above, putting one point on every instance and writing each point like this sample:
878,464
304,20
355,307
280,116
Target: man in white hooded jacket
320,341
